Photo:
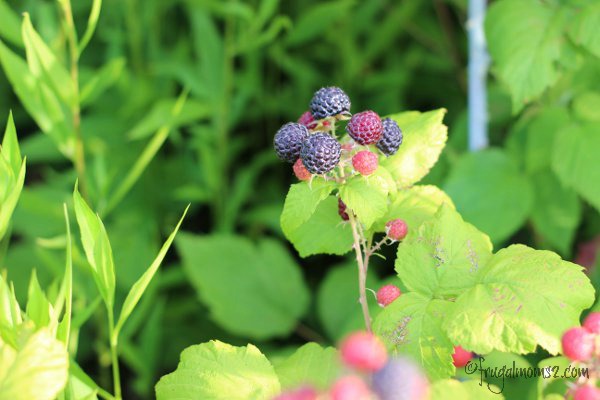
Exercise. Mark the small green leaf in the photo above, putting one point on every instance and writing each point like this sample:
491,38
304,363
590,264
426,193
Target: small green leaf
225,268
310,365
97,248
451,389
101,80
219,371
483,187
10,146
64,327
10,311
424,138
524,39
366,198
302,200
38,307
522,298
139,287
91,25
37,371
412,325
323,233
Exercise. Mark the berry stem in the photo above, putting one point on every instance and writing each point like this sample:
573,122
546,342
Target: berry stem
362,272
376,247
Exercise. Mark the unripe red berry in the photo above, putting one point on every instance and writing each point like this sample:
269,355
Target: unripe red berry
386,294
365,162
363,351
302,393
578,344
365,127
396,229
592,323
586,392
300,170
461,357
307,120
350,387
342,210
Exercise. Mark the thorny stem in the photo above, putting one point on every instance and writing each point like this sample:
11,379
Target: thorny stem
79,156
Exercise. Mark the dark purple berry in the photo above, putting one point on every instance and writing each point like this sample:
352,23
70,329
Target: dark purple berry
328,102
342,210
391,139
288,141
320,153
365,127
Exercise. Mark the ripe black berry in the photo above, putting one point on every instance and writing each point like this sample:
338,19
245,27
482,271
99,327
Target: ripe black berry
288,141
329,101
391,139
320,153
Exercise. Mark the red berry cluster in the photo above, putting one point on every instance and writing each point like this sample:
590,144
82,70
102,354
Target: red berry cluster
369,375
582,345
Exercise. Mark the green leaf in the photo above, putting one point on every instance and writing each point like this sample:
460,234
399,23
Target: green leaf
97,248
524,39
139,287
412,325
38,307
557,212
37,371
44,65
323,233
337,301
540,135
451,389
219,371
366,198
424,138
10,311
483,187
10,146
415,205
101,80
91,26
583,27
10,29
302,200
443,257
575,160
316,19
12,175
548,385
224,269
522,298
64,327
310,365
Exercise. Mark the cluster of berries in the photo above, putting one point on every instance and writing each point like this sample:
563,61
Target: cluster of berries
312,146
370,375
582,345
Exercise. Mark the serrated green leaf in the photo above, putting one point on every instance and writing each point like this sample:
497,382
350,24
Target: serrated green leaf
524,39
424,138
575,160
37,371
310,365
337,301
412,325
557,212
483,187
451,389
540,134
225,268
522,298
583,27
139,287
302,200
323,233
38,307
219,371
414,205
97,248
444,257
366,198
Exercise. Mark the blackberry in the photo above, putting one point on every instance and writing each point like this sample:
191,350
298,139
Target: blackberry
391,138
288,141
320,153
365,127
329,101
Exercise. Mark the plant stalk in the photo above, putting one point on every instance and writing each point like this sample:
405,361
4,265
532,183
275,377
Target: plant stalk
114,355
362,272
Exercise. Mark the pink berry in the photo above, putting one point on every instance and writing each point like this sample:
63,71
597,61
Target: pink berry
302,393
578,344
386,294
350,388
365,162
587,392
342,210
365,127
307,120
300,171
363,351
461,357
592,322
396,229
